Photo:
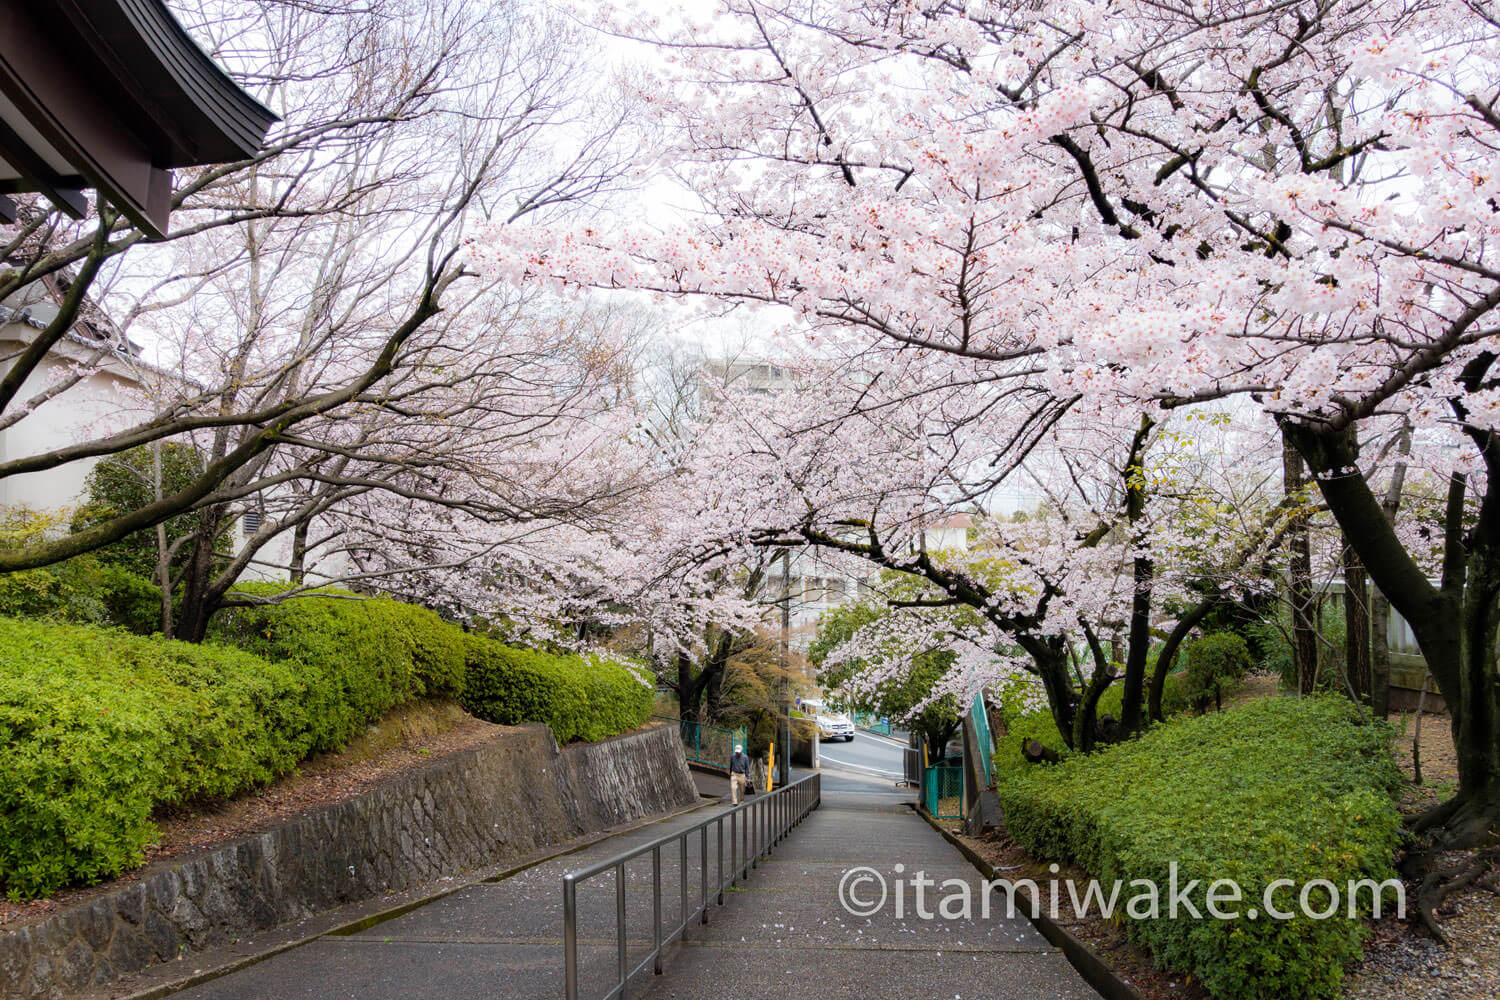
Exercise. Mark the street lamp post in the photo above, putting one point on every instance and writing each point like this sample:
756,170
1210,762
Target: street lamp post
785,770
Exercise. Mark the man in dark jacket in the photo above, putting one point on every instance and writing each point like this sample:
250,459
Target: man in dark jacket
739,775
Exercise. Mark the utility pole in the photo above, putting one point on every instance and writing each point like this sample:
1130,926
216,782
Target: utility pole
785,770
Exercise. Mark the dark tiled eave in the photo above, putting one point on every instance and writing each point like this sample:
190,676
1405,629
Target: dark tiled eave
120,93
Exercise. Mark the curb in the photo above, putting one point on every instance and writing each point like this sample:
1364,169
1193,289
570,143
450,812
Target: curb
368,920
1090,966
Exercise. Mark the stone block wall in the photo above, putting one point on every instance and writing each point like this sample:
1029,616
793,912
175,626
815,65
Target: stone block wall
508,798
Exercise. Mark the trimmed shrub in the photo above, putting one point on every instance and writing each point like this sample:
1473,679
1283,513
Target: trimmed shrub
131,602
100,727
1278,788
369,654
580,698
1215,663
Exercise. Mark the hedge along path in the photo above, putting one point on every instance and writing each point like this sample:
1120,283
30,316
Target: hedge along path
1274,789
103,727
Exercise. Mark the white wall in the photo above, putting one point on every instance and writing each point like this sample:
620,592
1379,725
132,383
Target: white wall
101,402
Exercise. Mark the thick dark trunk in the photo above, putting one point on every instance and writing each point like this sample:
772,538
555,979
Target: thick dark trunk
1133,693
1085,718
1143,571
1299,571
713,696
1476,737
1455,622
689,691
1380,655
1051,659
1356,624
200,598
1167,657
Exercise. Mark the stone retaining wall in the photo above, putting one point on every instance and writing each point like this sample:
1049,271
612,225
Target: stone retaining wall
510,797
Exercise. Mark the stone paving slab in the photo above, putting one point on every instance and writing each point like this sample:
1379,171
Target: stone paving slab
816,920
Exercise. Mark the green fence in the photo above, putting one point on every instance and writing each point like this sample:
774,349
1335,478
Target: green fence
986,746
704,744
943,790
872,723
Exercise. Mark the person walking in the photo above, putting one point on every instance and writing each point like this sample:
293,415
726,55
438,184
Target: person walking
739,775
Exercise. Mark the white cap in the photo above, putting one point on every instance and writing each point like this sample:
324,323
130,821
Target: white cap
738,748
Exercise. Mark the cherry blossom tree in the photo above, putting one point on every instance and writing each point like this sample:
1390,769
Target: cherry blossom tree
1128,203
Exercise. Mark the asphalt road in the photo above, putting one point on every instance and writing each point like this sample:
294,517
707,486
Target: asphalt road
868,764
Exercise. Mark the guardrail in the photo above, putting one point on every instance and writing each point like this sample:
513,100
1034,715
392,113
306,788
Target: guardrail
755,827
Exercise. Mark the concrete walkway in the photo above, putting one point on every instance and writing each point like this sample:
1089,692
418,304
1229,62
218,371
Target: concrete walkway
787,935
493,940
781,934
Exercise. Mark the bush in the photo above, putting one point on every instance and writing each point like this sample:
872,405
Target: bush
131,602
1278,788
101,727
368,654
84,589
1037,724
580,698
1215,663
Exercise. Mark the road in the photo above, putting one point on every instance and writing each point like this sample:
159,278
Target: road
868,764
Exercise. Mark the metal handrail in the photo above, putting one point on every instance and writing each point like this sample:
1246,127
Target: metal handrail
756,826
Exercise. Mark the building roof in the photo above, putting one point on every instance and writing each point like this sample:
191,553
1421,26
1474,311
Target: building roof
112,95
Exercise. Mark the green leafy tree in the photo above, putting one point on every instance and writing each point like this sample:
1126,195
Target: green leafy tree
898,696
132,480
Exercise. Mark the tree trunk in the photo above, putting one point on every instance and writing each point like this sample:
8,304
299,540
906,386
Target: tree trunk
200,599
689,691
1167,656
1299,584
1455,622
1132,707
1051,659
297,569
1380,655
1356,624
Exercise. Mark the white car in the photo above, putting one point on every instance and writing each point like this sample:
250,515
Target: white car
835,726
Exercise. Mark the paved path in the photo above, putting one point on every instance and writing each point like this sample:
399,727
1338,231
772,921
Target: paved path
787,936
781,934
494,940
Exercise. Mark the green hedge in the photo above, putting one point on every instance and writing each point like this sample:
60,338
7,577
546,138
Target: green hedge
369,654
1278,788
580,698
101,727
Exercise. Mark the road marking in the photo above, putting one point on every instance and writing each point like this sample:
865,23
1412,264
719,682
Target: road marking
861,767
889,739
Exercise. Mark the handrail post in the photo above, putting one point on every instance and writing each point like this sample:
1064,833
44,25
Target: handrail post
753,849
570,937
703,869
682,912
620,956
720,825
656,908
